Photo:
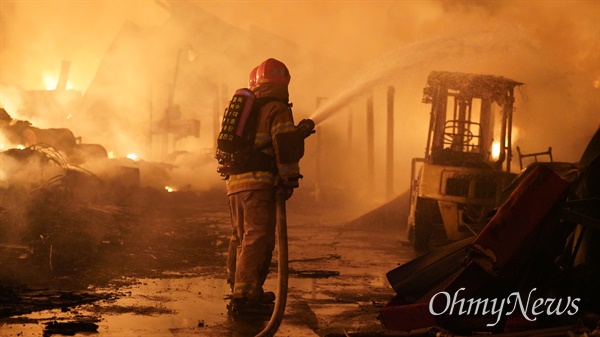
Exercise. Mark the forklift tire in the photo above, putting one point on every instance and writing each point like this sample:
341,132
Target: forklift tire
424,218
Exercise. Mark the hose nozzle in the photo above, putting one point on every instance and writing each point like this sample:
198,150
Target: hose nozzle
305,128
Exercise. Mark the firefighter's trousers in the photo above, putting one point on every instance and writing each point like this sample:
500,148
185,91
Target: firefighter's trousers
252,241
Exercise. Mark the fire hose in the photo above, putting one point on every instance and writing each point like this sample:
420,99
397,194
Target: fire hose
305,128
282,267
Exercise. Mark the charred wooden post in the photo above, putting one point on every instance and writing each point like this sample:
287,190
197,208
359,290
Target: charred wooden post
390,143
370,140
150,122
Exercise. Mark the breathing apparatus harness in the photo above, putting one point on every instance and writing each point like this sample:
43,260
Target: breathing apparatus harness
235,153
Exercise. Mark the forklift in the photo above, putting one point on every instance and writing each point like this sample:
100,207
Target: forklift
467,157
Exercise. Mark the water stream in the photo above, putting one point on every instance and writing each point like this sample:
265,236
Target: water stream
501,52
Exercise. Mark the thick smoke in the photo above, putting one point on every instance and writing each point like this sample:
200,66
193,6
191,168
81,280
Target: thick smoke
124,56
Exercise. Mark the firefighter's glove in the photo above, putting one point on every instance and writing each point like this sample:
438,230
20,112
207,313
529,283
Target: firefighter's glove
289,185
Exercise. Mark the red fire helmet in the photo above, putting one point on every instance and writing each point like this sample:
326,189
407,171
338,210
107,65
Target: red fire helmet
272,71
252,78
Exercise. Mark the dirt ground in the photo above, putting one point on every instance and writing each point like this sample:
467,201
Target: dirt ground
154,266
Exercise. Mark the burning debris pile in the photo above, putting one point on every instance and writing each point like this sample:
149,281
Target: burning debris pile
54,214
533,269
62,201
45,204
23,134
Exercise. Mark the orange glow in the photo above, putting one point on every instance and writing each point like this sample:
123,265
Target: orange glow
133,156
169,189
51,80
496,150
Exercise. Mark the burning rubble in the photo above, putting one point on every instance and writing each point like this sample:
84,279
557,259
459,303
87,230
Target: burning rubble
25,134
55,189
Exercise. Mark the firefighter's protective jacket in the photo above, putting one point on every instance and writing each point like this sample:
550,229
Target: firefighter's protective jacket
276,126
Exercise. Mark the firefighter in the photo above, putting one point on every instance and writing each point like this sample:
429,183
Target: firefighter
251,194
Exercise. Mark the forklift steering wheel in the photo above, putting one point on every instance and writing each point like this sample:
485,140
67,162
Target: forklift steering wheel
467,136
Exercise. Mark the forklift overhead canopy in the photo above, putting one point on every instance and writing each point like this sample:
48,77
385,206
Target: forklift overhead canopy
472,85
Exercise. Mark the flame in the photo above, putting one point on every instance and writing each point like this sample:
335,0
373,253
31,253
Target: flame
496,150
20,147
169,189
133,156
50,81
111,155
